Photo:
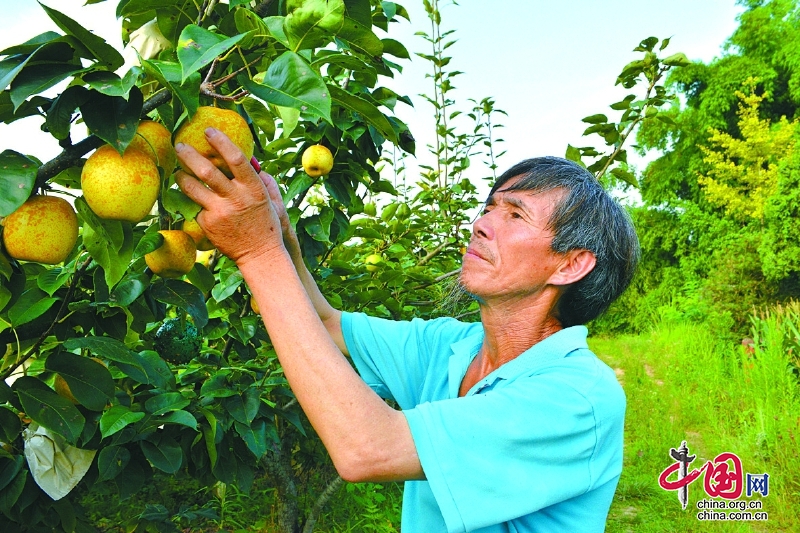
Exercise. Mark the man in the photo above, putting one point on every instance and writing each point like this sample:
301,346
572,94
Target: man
510,424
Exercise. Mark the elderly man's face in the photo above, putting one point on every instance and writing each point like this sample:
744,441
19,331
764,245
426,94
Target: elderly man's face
509,255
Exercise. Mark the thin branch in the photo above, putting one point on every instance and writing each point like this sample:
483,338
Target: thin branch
321,502
430,255
70,155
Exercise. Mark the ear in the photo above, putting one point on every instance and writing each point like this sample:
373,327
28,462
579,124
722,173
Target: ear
575,266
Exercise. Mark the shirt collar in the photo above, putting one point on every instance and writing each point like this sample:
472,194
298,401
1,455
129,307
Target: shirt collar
556,346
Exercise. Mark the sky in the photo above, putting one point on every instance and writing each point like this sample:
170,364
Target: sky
546,63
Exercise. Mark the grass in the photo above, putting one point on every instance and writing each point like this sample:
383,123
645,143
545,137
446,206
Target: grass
682,384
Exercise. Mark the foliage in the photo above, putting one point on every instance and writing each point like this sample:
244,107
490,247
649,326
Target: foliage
743,172
301,73
684,381
709,221
635,112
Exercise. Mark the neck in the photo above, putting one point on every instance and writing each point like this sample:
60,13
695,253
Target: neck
512,327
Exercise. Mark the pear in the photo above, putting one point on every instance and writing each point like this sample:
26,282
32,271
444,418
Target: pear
317,160
229,122
120,187
44,229
175,257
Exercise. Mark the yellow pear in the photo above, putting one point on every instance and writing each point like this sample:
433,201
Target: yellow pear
175,257
197,234
205,257
372,261
317,160
156,141
229,122
254,306
120,188
43,229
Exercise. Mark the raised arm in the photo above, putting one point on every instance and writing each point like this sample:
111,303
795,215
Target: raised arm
367,439
330,316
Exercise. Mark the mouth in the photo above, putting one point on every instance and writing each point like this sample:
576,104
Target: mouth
473,251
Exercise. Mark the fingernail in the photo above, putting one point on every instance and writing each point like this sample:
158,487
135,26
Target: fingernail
179,147
210,132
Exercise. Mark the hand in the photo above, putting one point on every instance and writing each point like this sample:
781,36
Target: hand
238,215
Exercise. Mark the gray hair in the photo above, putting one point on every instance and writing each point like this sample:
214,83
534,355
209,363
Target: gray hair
585,218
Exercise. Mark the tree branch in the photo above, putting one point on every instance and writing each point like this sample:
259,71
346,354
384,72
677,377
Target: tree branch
72,154
321,502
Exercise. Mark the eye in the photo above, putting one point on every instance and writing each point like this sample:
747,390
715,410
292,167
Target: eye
514,214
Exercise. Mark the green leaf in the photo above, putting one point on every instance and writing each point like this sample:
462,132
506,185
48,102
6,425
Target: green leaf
255,436
10,68
176,202
300,184
595,119
117,418
32,304
10,424
646,45
17,177
227,286
201,277
361,38
244,407
260,116
113,118
9,468
106,54
198,47
291,82
183,295
180,417
574,154
48,409
110,84
169,75
35,79
677,60
114,263
275,25
368,111
165,402
110,231
60,114
9,496
113,350
89,381
250,23
52,280
167,455
150,241
313,23
395,48
623,104
625,176
111,461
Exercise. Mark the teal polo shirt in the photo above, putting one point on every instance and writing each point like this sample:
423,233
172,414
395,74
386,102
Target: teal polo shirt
535,446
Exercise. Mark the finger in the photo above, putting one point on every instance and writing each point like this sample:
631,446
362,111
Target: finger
272,188
202,168
194,189
240,164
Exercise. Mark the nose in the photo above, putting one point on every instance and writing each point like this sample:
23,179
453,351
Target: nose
482,227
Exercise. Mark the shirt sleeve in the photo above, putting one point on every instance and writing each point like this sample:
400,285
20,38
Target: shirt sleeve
394,357
500,455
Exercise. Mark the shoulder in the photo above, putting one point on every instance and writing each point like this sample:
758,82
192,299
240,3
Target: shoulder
438,331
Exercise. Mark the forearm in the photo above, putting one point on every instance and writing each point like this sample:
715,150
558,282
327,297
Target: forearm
331,317
365,437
